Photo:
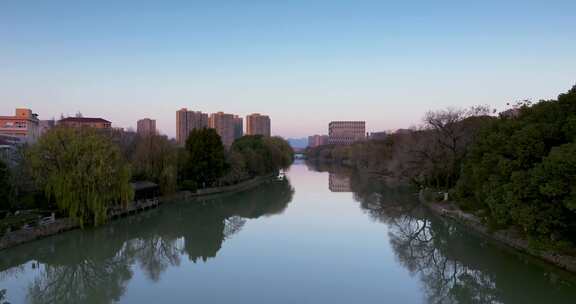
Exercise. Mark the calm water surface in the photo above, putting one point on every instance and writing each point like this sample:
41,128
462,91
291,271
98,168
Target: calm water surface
316,237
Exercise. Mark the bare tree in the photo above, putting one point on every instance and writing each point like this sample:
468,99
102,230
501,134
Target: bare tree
447,134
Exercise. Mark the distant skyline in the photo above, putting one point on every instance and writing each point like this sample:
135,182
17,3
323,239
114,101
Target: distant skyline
303,63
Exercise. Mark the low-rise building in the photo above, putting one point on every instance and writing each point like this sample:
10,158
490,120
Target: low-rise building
46,125
90,122
403,131
346,132
317,140
23,125
378,135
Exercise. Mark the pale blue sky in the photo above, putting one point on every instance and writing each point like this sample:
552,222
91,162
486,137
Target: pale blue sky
302,62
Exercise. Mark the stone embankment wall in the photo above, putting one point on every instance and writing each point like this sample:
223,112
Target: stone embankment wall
509,237
14,238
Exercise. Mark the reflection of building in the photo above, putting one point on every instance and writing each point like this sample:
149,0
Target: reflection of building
146,126
224,124
317,140
24,125
80,122
346,132
257,124
339,183
238,127
186,121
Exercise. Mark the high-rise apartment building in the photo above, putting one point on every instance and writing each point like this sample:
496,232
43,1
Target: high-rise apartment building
186,121
317,140
257,124
346,132
146,127
24,125
224,125
238,127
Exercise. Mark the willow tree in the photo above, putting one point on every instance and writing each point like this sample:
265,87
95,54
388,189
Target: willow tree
82,171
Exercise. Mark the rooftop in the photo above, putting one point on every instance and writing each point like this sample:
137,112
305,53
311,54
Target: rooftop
84,119
141,185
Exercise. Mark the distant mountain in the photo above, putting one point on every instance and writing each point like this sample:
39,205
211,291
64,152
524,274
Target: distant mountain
300,143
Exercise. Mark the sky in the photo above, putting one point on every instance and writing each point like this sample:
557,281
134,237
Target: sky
302,62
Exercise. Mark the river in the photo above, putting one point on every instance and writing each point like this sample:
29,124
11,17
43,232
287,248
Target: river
314,237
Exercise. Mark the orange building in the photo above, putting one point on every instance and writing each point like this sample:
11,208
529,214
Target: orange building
238,127
224,124
186,121
146,127
24,125
79,122
257,124
317,140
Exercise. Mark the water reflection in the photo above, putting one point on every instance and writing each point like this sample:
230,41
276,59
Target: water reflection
322,251
338,177
339,183
453,265
95,266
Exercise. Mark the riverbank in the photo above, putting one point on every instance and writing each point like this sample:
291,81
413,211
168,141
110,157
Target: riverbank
56,226
509,237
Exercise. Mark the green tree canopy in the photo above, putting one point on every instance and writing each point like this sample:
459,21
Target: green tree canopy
263,155
282,152
155,159
206,161
82,171
5,186
521,170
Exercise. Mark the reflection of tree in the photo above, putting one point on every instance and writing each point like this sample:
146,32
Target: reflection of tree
94,265
67,277
155,254
232,226
90,281
12,272
271,199
421,245
421,250
204,234
3,296
453,265
218,218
